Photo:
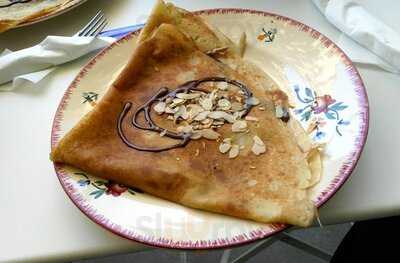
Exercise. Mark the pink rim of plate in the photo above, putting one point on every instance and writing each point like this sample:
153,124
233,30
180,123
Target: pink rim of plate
344,173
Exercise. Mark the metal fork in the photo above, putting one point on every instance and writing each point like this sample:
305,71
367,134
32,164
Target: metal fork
94,27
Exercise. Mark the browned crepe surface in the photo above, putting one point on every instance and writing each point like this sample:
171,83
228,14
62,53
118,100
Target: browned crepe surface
209,181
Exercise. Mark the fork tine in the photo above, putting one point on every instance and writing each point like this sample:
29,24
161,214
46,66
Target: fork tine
100,24
100,28
91,23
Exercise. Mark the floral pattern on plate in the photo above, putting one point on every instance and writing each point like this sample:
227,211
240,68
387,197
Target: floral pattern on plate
320,109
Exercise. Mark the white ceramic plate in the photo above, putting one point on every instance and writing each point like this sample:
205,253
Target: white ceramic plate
322,83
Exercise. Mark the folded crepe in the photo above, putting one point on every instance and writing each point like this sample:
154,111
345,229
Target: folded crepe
14,13
253,166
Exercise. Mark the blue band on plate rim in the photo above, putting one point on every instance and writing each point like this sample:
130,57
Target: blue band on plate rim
121,32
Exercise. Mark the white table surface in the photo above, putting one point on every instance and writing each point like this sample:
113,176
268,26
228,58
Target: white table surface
37,220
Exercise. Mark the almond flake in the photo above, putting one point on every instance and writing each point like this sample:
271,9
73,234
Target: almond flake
253,101
251,118
258,146
196,135
222,85
257,140
201,116
224,104
178,159
170,118
227,140
197,152
170,110
160,107
182,112
206,103
188,96
239,126
221,115
237,106
234,151
194,110
252,183
252,167
184,129
206,121
218,122
224,147
210,134
261,108
279,111
176,102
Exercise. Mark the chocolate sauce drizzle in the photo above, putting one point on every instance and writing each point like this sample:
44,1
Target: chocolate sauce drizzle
162,95
14,2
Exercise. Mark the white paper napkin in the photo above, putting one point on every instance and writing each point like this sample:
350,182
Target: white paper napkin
381,43
27,67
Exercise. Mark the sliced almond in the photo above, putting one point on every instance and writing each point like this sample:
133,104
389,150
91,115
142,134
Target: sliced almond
171,110
227,140
210,134
221,115
217,122
176,102
201,116
182,112
250,118
222,85
196,135
236,106
253,101
224,104
258,146
217,51
194,110
239,126
206,103
234,151
279,111
188,96
252,183
257,140
170,118
206,121
224,147
160,107
185,129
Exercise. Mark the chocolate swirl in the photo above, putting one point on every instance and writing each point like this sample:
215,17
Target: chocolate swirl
162,95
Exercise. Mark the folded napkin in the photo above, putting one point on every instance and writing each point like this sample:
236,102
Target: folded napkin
54,50
27,67
381,43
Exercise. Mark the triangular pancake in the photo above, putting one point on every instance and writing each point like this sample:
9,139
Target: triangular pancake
272,192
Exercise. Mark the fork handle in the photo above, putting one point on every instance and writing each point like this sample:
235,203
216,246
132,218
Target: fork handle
120,32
